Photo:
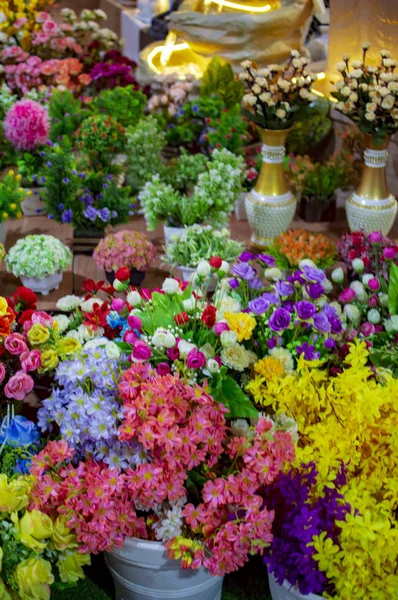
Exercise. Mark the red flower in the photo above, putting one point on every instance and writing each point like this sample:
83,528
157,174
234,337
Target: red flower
91,287
123,274
181,318
26,315
25,296
357,238
353,254
215,262
97,318
209,316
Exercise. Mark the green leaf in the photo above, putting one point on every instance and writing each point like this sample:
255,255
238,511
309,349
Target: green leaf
230,394
124,347
393,290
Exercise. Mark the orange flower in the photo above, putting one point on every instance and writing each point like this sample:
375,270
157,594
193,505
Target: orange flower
298,244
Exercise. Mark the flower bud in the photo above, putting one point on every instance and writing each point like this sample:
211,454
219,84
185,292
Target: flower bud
133,298
358,265
338,275
374,316
203,269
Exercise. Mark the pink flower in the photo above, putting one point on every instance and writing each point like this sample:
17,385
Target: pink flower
347,295
31,361
375,237
15,344
130,337
141,351
18,23
163,368
2,371
118,304
27,125
134,322
196,359
173,353
49,26
389,253
374,284
220,327
367,329
42,16
19,386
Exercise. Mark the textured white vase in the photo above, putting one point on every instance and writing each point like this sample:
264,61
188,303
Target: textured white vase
44,285
33,205
170,232
142,570
287,591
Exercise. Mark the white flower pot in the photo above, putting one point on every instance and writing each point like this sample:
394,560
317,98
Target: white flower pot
169,232
240,208
44,285
33,205
287,592
187,273
3,231
142,570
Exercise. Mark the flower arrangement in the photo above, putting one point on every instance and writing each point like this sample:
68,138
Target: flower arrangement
100,137
123,104
198,243
252,170
298,244
20,20
124,249
114,70
277,92
37,256
144,145
11,196
27,125
212,200
367,253
369,95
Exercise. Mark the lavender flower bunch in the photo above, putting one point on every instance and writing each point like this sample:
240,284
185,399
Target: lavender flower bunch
300,514
86,409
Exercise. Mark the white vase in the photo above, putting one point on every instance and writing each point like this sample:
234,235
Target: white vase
3,231
142,570
287,591
187,273
33,205
240,208
44,285
170,232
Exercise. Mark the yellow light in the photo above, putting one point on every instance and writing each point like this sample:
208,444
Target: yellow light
243,7
168,48
320,75
160,49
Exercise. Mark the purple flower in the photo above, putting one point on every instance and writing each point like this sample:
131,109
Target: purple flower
321,323
67,216
308,351
296,277
233,283
272,298
104,214
315,275
289,305
65,180
330,311
375,237
267,259
329,343
246,256
271,343
279,320
315,290
305,309
259,306
336,325
367,329
284,288
90,213
255,283
244,271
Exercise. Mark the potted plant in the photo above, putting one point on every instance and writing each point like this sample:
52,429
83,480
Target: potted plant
39,261
211,200
292,247
99,138
275,95
201,242
123,249
144,145
11,196
27,127
66,113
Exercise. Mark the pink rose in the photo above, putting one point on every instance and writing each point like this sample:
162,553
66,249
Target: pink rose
173,353
389,253
49,26
220,327
163,368
19,386
196,359
134,322
374,284
141,351
15,344
375,237
2,372
118,304
129,337
31,361
43,318
347,295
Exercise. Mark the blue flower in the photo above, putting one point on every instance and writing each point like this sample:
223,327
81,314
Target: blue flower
104,214
90,213
67,216
22,466
61,206
19,432
65,180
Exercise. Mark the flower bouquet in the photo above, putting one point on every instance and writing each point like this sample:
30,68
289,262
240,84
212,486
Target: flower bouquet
298,244
39,261
11,196
125,249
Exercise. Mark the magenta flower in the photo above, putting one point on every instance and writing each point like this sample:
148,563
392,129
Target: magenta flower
163,368
375,237
196,359
141,351
134,322
389,253
374,284
27,125
347,295
367,329
220,327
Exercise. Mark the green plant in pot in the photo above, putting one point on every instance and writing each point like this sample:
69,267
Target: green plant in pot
99,138
124,104
144,145
66,114
312,129
125,249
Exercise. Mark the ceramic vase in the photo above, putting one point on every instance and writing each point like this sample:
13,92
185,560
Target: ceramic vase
270,206
287,591
372,207
43,285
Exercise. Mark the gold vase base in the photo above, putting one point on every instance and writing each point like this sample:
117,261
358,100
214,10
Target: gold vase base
261,242
369,215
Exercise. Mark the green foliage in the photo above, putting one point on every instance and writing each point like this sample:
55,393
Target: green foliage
144,151
186,173
31,167
319,180
100,137
228,392
192,119
123,104
229,131
11,196
312,127
66,113
393,290
219,79
61,167
386,358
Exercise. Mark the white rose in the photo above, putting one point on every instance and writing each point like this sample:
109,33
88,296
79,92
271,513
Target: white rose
338,275
133,298
68,303
265,96
163,338
76,335
228,338
366,278
95,343
307,262
224,267
359,290
185,347
341,66
388,102
371,106
170,286
393,86
369,116
207,350
392,324
356,73
189,304
203,269
112,350
327,286
383,91
346,91
62,322
212,366
352,312
281,114
273,274
374,316
358,265
87,305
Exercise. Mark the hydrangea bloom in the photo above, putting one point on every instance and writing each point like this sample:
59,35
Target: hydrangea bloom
27,125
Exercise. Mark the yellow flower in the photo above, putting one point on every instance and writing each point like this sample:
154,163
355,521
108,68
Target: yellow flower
38,334
14,495
3,306
269,368
242,324
34,577
70,566
33,527
68,346
49,360
62,536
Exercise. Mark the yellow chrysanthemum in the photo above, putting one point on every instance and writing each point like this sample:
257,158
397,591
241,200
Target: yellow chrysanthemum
269,368
242,324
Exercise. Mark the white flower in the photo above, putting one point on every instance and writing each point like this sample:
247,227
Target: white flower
284,357
133,298
356,74
388,102
338,275
365,45
273,274
370,116
3,37
89,333
240,427
383,299
388,62
250,99
118,285
189,304
185,347
96,342
208,350
224,267
340,106
68,303
237,357
62,322
393,86
112,350
265,96
366,278
88,305
341,66
203,269
100,14
359,290
346,91
392,324
304,93
163,338
256,89
228,338
352,312
358,265
356,64
3,18
374,316
307,262
246,64
212,367
170,286
353,97
371,106
327,286
283,84
383,91
280,113
77,335
227,304
346,57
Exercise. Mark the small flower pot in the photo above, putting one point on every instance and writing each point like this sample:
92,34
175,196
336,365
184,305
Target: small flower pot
136,277
42,286
240,208
3,232
33,205
142,570
187,273
170,232
313,210
287,591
